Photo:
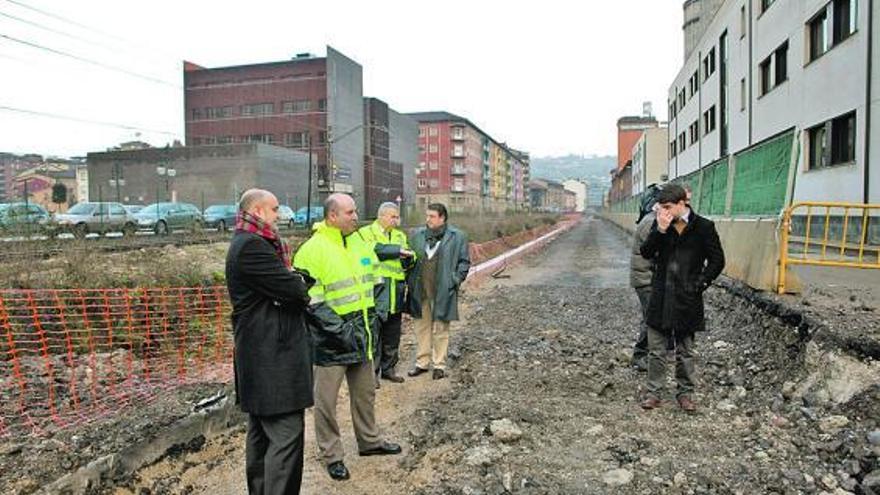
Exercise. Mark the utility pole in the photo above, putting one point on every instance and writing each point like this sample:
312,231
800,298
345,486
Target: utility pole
309,192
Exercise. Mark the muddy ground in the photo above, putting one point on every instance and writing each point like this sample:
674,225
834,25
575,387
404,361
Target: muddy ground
542,400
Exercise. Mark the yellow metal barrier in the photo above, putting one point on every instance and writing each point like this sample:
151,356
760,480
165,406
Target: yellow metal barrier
846,249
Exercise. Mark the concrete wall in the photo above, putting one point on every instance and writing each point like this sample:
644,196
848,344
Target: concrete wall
345,116
217,174
750,247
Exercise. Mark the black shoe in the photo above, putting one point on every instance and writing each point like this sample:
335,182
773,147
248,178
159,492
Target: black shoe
338,471
387,448
392,377
438,374
416,371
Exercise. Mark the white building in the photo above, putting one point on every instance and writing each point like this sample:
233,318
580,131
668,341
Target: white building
763,68
579,188
649,159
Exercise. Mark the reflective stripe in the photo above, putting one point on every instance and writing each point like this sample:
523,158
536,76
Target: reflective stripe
317,299
343,300
393,269
341,284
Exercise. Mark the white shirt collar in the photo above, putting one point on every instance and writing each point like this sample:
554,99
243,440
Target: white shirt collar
687,216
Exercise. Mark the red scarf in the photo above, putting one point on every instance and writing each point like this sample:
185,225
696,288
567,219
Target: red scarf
246,222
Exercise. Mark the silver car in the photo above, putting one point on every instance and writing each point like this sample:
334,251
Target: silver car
100,218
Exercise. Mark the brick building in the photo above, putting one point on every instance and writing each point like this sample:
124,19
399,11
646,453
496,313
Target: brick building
298,103
390,156
629,130
550,196
465,168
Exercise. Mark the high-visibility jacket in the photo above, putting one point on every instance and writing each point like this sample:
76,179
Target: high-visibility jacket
387,246
342,297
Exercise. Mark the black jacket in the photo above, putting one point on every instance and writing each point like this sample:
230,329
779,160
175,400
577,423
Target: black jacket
684,266
273,354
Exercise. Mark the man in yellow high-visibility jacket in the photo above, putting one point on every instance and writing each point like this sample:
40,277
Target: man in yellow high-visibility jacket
344,320
395,258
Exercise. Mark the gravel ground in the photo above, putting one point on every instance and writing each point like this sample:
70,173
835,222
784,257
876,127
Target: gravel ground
542,400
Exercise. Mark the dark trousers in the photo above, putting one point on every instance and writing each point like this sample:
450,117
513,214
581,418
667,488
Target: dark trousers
274,454
640,351
388,346
658,343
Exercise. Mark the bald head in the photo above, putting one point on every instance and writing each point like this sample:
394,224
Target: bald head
340,211
261,204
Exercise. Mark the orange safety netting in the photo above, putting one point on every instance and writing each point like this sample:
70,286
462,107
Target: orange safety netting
68,357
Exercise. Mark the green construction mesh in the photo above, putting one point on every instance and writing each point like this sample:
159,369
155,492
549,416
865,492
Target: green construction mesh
713,188
761,177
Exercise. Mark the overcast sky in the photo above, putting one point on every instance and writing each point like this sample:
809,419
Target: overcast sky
550,77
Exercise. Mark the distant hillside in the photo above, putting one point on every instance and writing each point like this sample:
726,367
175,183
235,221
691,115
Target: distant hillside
572,167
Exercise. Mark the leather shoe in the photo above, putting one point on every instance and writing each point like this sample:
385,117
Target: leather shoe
387,448
338,471
416,371
650,403
438,374
392,377
687,405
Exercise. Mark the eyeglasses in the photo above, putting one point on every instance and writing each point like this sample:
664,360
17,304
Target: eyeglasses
275,208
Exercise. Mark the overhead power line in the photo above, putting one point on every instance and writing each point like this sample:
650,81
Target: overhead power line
86,121
90,61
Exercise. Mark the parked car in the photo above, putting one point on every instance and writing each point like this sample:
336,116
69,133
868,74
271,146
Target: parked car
24,218
317,215
220,217
285,216
133,209
100,218
163,218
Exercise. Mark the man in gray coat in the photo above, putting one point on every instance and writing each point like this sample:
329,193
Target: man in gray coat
640,272
442,264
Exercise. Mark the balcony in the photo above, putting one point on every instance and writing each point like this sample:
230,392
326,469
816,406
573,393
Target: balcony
459,170
457,188
458,134
458,153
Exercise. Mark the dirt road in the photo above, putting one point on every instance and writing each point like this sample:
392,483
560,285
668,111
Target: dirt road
542,400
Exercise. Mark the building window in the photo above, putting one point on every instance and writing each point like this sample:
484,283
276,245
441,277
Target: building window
322,104
766,80
743,95
681,99
743,25
673,152
781,64
682,142
258,109
765,4
322,137
434,183
709,64
694,132
421,132
818,35
694,84
423,183
225,140
432,165
218,112
297,139
196,114
296,106
841,132
421,166
432,148
432,131
672,110
845,12
709,120
258,138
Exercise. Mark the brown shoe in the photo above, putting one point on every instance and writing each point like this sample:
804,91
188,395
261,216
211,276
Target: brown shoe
687,405
650,403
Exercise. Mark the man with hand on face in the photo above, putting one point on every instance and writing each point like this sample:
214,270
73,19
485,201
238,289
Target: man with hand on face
442,264
395,258
687,256
342,263
273,356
